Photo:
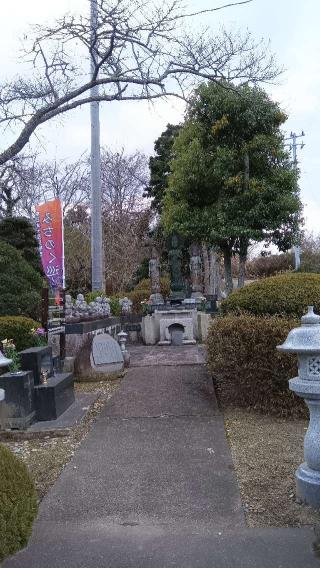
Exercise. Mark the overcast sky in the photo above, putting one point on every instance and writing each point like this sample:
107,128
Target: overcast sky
293,29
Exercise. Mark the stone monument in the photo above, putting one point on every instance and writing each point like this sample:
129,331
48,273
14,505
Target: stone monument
155,277
196,273
175,263
106,355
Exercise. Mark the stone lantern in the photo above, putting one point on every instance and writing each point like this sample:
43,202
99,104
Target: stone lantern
305,342
122,338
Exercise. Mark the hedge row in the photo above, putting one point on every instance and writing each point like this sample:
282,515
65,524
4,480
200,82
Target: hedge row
247,369
285,295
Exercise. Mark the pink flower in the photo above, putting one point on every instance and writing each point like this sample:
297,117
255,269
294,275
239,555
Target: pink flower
40,331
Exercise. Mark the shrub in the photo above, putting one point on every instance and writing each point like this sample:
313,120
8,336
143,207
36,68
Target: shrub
91,296
115,306
287,294
247,369
18,503
18,328
114,301
20,284
143,291
19,233
265,266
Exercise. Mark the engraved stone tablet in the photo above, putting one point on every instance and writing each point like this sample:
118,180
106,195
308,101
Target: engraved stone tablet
106,355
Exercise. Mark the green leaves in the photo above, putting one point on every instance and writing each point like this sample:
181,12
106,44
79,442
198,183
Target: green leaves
231,177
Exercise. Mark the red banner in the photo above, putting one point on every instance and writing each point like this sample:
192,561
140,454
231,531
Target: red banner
50,235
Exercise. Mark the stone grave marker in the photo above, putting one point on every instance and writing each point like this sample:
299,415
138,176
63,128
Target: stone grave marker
106,355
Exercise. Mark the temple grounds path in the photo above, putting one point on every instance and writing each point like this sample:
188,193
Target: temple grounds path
153,485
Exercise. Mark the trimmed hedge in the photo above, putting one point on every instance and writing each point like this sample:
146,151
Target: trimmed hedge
19,329
286,295
18,504
20,284
247,369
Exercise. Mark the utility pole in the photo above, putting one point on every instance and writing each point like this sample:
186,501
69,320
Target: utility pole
293,147
96,212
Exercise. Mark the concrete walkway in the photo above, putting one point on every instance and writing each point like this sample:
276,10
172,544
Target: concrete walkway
153,484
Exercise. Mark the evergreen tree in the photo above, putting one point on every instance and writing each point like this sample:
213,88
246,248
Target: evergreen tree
19,233
160,166
231,179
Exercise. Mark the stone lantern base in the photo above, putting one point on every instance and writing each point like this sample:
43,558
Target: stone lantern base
308,473
308,485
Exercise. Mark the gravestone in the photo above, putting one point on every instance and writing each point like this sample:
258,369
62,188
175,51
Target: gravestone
106,355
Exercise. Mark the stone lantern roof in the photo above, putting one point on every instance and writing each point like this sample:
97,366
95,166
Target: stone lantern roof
304,339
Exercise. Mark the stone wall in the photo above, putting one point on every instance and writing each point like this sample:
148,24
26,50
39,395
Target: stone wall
79,334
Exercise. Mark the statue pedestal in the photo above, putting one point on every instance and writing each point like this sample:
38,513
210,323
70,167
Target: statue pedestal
156,299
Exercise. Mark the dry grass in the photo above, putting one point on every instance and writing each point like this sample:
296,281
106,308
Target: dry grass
266,452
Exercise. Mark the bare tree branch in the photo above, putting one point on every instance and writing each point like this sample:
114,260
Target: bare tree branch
140,50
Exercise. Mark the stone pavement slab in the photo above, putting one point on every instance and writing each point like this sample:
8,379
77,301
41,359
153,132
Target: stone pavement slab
157,356
176,471
167,390
94,545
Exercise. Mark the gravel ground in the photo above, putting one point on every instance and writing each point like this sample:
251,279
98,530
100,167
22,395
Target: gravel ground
47,457
266,452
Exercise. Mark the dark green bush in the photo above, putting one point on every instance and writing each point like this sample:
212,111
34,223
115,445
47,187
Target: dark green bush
20,284
287,294
18,503
247,369
18,328
19,233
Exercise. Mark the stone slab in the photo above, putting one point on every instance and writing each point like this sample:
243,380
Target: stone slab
106,355
165,391
17,410
173,471
85,544
55,397
156,356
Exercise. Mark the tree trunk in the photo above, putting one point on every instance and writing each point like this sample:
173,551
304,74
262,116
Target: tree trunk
227,256
10,202
242,262
215,277
206,269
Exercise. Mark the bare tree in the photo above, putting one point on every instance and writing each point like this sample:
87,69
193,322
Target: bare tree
142,49
123,181
69,182
126,215
77,249
20,186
